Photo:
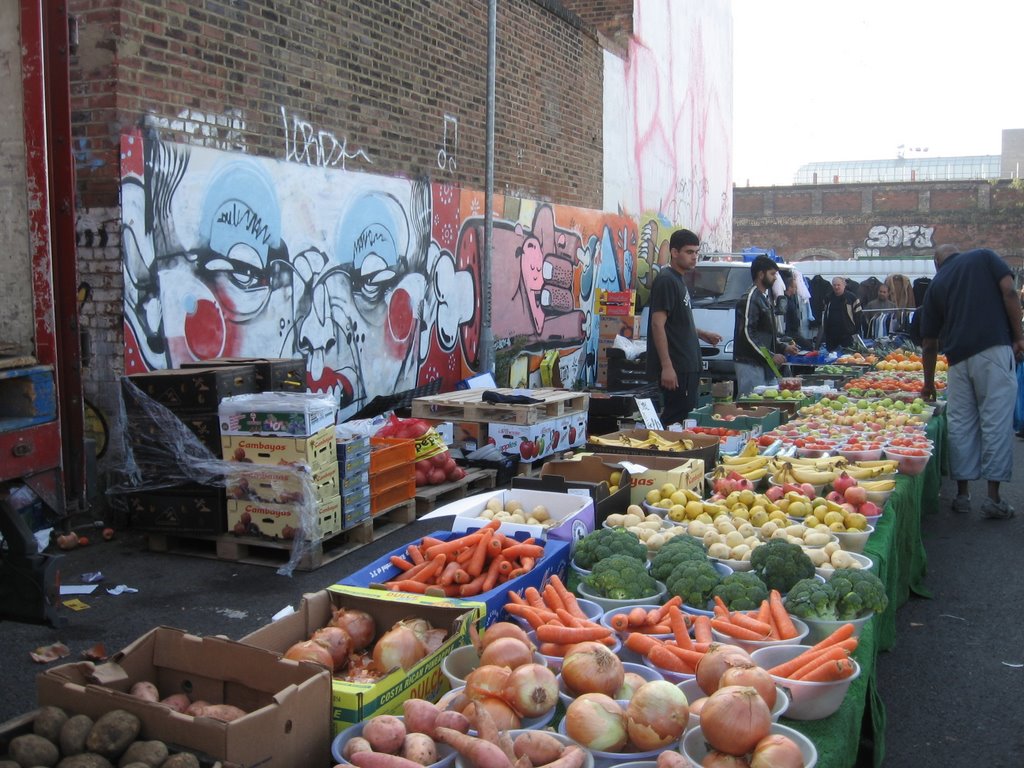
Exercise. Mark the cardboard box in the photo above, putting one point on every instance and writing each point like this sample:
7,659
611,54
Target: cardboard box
353,703
742,417
354,513
353,448
281,485
356,481
621,325
276,374
535,441
288,702
650,472
614,302
555,560
191,510
787,408
705,446
289,414
317,452
195,388
271,520
589,474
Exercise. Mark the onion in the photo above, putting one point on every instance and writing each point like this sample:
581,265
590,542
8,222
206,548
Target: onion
734,719
308,650
592,668
486,681
777,751
502,629
697,705
716,759
400,646
657,715
531,690
358,624
506,652
630,682
455,700
754,676
718,658
597,722
337,642
503,715
433,639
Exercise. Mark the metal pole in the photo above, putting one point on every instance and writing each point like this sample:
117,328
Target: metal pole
486,334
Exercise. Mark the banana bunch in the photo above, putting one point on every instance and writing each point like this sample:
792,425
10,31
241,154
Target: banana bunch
860,473
877,485
654,442
799,473
664,444
751,468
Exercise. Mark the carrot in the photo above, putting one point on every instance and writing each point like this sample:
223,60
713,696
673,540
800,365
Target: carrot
465,555
569,620
515,597
461,577
415,554
452,546
451,590
479,556
721,612
637,617
689,658
657,629
780,617
551,598
829,654
661,656
448,574
741,619
493,545
554,649
620,622
427,542
401,563
523,550
549,633
415,570
407,585
764,613
432,569
679,628
535,617
786,669
720,603
641,644
702,630
473,587
505,567
527,564
735,630
658,615
533,597
568,598
830,671
491,578
842,633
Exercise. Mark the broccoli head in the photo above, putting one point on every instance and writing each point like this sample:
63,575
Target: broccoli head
694,582
674,551
604,543
812,599
781,564
857,592
741,591
621,577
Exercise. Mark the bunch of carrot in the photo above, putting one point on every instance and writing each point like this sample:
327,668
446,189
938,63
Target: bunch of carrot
825,662
465,566
769,622
647,622
556,617
681,653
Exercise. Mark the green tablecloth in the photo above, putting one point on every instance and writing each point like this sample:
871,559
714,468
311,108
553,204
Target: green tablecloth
900,560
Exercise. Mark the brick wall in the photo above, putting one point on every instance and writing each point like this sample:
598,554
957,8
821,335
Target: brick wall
881,220
613,18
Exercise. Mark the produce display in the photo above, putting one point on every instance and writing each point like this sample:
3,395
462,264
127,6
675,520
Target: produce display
827,661
849,594
653,441
513,511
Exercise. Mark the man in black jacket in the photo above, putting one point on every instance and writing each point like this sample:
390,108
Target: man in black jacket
755,330
841,317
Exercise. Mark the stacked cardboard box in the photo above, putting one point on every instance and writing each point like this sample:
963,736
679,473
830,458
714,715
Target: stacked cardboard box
354,466
284,475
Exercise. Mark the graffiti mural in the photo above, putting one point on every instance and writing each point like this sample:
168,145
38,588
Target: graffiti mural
882,236
375,282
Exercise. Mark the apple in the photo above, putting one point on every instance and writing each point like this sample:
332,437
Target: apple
808,490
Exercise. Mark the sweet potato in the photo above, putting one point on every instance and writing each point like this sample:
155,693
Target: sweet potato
572,757
419,748
150,753
541,748
671,759
479,753
179,702
223,712
381,760
358,744
454,720
145,690
48,723
420,716
196,708
31,750
73,735
112,733
386,733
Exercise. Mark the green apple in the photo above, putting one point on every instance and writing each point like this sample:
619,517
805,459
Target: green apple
771,393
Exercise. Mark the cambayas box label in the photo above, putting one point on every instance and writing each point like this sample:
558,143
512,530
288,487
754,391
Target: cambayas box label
657,472
317,451
283,521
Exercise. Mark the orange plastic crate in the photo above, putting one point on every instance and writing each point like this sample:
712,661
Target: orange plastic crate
395,494
388,452
386,478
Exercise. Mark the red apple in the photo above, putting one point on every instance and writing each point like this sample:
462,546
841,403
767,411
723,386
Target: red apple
856,495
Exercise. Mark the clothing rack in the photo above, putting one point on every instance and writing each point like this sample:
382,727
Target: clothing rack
879,323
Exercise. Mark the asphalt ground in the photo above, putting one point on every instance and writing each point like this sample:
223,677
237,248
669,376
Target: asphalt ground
953,686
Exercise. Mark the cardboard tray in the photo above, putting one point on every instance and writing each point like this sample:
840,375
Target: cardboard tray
705,446
588,473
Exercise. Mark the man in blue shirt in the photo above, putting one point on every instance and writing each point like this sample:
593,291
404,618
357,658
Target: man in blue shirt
972,311
673,349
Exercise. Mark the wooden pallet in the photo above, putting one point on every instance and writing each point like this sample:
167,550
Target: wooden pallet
466,405
430,497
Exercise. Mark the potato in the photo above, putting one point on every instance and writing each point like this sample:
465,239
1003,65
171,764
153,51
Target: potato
30,750
357,744
150,753
223,712
181,760
420,716
85,760
540,748
385,733
145,690
196,708
48,723
419,748
73,734
112,733
179,702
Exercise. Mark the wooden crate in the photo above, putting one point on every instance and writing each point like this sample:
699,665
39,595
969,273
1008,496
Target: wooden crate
467,405
430,497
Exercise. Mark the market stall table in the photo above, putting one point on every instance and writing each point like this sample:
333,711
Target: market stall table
898,552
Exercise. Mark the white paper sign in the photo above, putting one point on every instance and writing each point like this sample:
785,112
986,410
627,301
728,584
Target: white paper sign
648,413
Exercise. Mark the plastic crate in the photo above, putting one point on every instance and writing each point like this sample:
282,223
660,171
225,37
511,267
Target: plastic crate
388,497
391,476
388,452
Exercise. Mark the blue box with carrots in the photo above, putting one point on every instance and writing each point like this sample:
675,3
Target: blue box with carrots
554,561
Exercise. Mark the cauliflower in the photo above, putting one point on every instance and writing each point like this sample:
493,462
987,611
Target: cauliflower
693,580
741,591
673,552
621,577
604,543
780,564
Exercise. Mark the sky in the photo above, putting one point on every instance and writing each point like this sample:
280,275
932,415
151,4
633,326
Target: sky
818,80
